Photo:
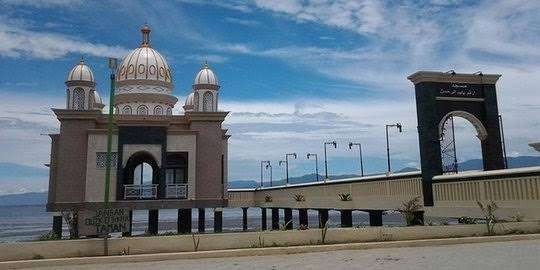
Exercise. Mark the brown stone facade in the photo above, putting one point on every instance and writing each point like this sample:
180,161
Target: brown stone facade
75,181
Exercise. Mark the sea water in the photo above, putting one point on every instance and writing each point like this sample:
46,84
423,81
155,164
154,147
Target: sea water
27,223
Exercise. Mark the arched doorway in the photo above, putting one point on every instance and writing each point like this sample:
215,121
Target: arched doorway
457,132
141,176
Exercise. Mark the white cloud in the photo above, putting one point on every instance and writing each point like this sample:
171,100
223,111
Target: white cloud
16,42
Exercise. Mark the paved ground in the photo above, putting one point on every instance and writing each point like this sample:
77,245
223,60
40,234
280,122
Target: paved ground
490,256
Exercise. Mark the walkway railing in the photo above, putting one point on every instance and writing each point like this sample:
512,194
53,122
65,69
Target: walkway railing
178,191
140,191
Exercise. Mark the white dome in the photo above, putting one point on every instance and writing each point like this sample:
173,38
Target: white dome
81,72
97,98
146,64
189,100
206,77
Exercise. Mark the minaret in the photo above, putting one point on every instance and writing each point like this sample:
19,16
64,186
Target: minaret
205,90
81,89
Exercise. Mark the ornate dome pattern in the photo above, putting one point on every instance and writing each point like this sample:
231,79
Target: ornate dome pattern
81,72
144,63
206,79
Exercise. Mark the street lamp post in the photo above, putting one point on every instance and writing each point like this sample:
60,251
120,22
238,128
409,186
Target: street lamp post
325,159
316,164
284,162
262,163
268,165
287,166
399,128
113,62
351,144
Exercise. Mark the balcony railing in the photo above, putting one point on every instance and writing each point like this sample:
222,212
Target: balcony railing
179,191
140,191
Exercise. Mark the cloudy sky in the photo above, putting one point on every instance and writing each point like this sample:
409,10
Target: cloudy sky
293,73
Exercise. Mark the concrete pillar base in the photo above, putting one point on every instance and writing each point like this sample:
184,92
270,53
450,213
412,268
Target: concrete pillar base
201,220
218,220
346,218
287,212
244,219
323,217
128,233
57,226
375,218
263,219
153,221
303,217
275,219
184,221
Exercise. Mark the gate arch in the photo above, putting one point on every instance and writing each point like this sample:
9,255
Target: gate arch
440,95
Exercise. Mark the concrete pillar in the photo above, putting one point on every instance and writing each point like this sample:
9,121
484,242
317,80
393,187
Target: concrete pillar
184,221
346,218
418,218
275,219
323,217
303,217
244,219
153,221
218,220
263,219
128,233
201,220
75,223
375,217
287,219
57,225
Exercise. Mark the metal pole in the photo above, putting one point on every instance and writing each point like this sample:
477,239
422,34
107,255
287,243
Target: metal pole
387,150
317,167
325,163
286,169
262,173
112,66
270,174
503,142
361,162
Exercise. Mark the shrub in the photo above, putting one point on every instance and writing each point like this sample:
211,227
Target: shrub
409,209
49,236
488,210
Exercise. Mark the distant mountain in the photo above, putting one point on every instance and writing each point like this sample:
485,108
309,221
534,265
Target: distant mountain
8,170
32,198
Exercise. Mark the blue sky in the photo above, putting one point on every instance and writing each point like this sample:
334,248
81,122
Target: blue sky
293,73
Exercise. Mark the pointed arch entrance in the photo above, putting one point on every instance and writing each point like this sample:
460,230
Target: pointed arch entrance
440,96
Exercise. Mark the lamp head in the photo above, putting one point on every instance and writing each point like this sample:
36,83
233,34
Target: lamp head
399,126
294,155
113,63
334,143
350,145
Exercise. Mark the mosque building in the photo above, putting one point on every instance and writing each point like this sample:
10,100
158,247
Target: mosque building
160,160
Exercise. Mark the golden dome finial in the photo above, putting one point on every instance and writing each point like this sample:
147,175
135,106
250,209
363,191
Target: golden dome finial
145,30
205,64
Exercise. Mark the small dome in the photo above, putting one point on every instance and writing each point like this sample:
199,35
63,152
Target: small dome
145,63
98,102
189,100
97,98
206,79
81,72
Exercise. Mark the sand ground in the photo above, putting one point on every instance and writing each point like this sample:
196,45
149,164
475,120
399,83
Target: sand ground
515,255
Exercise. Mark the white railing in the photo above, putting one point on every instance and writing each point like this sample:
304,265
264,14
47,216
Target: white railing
179,191
140,191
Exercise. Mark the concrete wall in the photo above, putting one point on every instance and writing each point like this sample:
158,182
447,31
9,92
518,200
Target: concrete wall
95,177
515,191
181,243
186,143
367,193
